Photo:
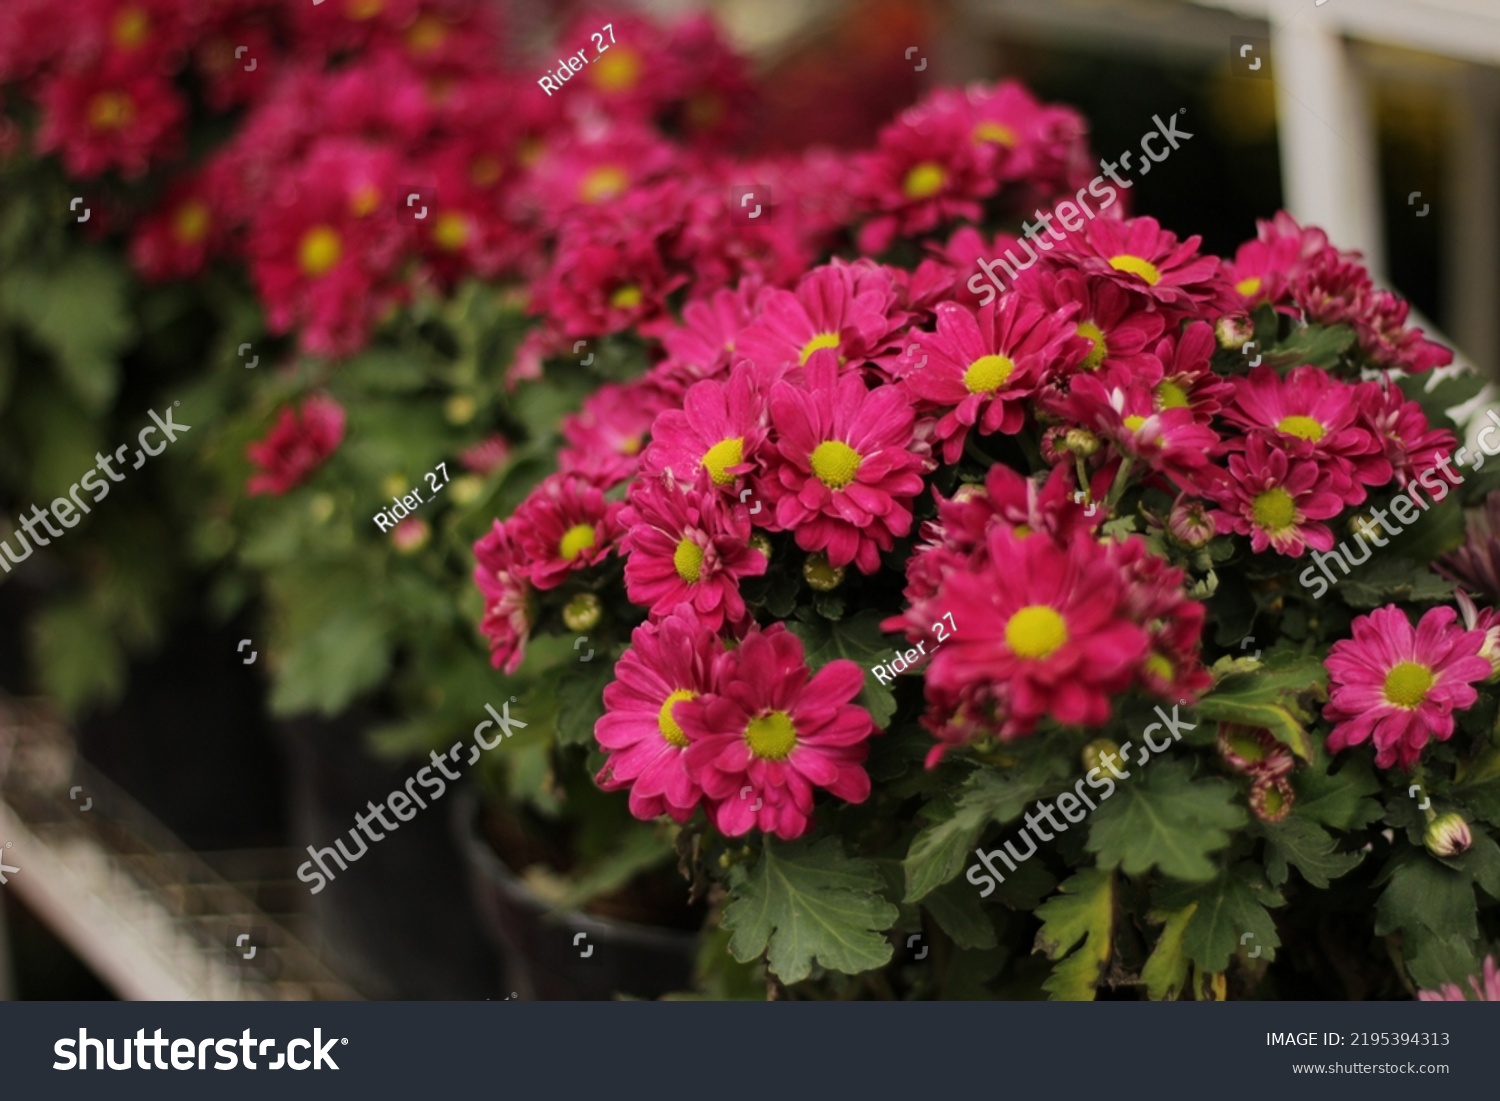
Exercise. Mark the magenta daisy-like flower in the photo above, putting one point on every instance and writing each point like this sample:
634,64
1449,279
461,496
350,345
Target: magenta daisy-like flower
688,544
500,573
1314,416
605,437
1048,624
668,662
980,368
1277,500
720,428
1170,441
1119,324
565,525
1400,685
1412,445
1141,256
774,727
843,471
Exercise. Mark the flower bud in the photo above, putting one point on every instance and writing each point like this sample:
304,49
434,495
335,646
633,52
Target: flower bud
1448,835
759,541
1233,332
1080,441
460,409
583,612
1093,754
321,507
820,575
1271,798
410,535
1254,751
466,489
1189,524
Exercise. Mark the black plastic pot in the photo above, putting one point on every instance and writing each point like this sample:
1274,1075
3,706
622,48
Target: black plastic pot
568,956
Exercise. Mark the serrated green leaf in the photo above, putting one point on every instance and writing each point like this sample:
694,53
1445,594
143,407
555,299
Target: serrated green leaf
1082,913
939,852
1274,697
1231,916
859,639
1302,844
1393,581
1167,820
959,912
78,312
581,698
1339,800
78,660
805,903
327,668
1166,972
1422,893
1315,344
1434,961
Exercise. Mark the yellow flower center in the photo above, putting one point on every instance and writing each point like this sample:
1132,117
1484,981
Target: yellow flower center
190,223
320,250
721,456
450,232
131,28
1089,331
426,35
668,725
364,200
618,70
1407,684
688,560
631,445
111,111
1136,265
1249,287
1134,422
988,373
627,297
485,170
364,9
1304,428
1160,667
1171,396
835,463
771,737
604,182
990,130
924,181
817,343
576,540
1274,510
1036,632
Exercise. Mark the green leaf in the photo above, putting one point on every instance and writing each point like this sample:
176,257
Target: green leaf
1306,846
1230,916
78,312
643,847
1424,894
77,658
326,668
1082,913
960,913
805,903
1393,581
1166,972
939,852
581,698
1434,961
1322,347
1274,697
1339,800
859,639
1166,820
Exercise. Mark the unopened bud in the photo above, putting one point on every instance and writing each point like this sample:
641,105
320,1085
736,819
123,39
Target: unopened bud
759,541
820,575
1253,750
1080,441
1093,754
1233,332
1189,524
1448,835
583,612
1271,798
410,535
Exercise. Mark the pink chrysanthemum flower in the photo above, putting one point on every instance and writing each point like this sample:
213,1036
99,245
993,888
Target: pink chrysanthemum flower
1170,441
1048,623
565,525
1263,269
1119,325
688,544
845,307
777,728
668,662
500,573
1141,256
486,456
1476,564
1313,416
1486,988
705,341
1154,597
605,437
1412,445
844,471
721,428
1384,337
301,441
980,368
1277,500
1188,380
1400,685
